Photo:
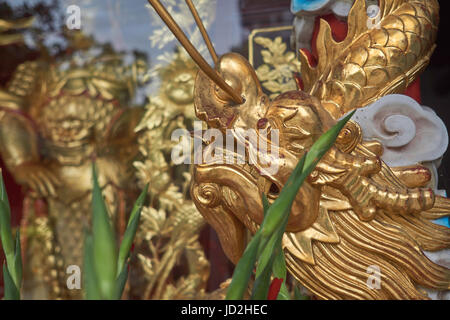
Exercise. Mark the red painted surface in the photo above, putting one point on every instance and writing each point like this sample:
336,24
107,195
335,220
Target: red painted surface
414,91
15,196
274,289
221,268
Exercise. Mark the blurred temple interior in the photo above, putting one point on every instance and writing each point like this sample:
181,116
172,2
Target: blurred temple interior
140,73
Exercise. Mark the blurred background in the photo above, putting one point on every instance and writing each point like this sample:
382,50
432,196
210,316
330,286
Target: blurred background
132,29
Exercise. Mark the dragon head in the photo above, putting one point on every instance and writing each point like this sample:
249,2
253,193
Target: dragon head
352,212
351,189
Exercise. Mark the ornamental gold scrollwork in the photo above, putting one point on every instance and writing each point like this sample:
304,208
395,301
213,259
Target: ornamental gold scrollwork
168,236
275,73
170,263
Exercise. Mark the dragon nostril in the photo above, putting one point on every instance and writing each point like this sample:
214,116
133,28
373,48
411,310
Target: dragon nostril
262,123
274,190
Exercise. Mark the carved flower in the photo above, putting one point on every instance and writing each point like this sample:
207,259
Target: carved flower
276,74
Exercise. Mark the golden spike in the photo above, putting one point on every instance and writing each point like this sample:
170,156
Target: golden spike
202,29
195,55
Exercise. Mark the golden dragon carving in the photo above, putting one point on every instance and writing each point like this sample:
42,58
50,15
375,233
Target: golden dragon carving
375,59
354,212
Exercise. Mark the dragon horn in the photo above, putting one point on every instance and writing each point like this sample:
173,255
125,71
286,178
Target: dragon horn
202,29
195,55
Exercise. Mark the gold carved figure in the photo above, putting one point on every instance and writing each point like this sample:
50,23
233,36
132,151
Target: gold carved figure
55,119
354,212
170,262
